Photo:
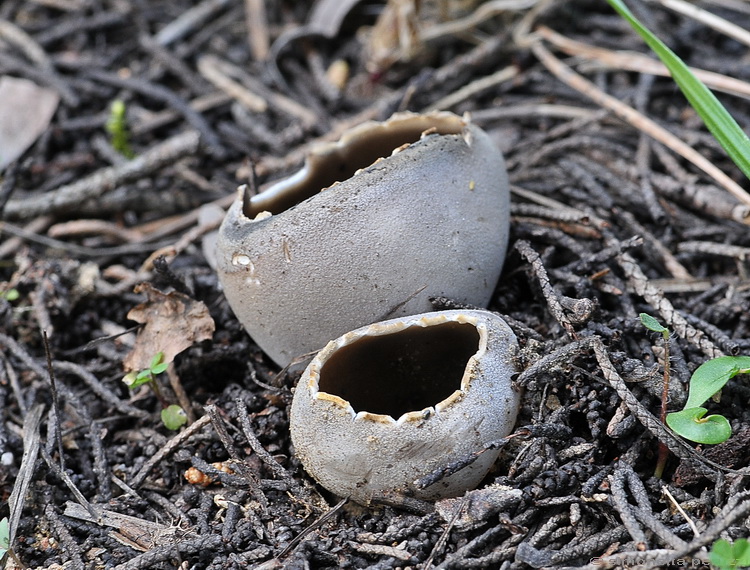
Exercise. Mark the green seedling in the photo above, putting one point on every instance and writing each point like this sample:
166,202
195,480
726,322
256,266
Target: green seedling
147,375
718,120
5,543
727,555
4,537
118,129
654,325
707,380
10,295
172,416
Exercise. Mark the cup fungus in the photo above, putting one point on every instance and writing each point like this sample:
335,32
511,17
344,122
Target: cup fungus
371,228
392,402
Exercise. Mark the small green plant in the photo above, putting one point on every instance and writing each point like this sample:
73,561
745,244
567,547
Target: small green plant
10,295
708,379
118,129
4,537
147,375
172,416
5,543
727,555
654,325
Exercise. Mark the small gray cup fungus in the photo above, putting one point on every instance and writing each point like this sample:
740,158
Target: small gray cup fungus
372,227
392,402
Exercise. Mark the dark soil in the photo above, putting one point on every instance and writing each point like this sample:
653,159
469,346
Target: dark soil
100,482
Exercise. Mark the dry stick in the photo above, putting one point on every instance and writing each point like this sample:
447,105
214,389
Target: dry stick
711,20
626,510
440,544
638,121
99,389
68,198
560,207
268,460
671,264
195,17
655,297
174,249
642,162
663,453
55,399
217,421
553,302
738,507
66,478
171,445
162,118
712,248
74,249
256,88
179,392
210,70
477,86
68,26
257,29
678,507
26,470
8,375
98,227
295,542
535,110
186,549
681,187
644,509
14,35
635,61
69,546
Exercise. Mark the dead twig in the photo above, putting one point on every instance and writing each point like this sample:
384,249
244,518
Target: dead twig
170,447
639,121
67,198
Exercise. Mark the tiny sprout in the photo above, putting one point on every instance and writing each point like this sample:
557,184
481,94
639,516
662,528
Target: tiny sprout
173,417
708,379
654,325
118,130
10,295
4,536
139,377
5,543
727,555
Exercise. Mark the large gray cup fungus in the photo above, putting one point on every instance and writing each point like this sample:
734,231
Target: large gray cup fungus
394,401
372,227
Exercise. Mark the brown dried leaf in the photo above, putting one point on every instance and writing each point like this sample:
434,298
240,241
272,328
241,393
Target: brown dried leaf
173,322
25,113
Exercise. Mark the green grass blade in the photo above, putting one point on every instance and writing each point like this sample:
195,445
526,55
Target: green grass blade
718,120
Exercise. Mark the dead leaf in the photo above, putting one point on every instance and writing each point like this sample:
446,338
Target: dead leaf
173,322
25,114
